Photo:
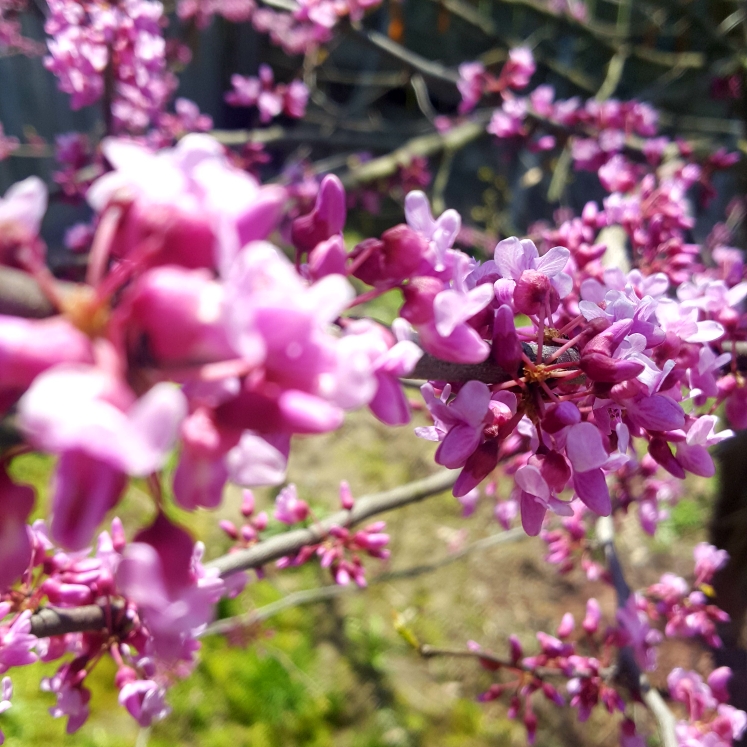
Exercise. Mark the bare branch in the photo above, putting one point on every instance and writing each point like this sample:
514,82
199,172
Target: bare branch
56,621
20,295
427,68
53,621
423,146
323,593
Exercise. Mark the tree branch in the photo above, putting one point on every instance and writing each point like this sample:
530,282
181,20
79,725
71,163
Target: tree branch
323,593
57,621
629,668
20,295
423,146
365,507
51,621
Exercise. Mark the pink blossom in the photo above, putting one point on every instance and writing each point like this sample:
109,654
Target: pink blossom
92,420
441,232
637,633
144,700
327,218
470,85
289,508
708,560
197,208
17,644
519,68
269,98
692,454
458,424
72,701
513,258
157,573
16,503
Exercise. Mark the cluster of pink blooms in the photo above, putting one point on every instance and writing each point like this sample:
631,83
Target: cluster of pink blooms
12,39
157,596
711,721
305,25
271,99
341,548
589,677
90,40
193,332
592,678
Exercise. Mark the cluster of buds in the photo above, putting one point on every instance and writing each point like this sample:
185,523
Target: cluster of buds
710,719
589,677
341,549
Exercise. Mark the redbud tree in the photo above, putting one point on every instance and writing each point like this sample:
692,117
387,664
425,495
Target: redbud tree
211,308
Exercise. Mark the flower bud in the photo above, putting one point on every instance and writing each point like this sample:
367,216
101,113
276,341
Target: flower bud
534,294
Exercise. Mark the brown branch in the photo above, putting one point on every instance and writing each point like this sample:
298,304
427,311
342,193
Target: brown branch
418,147
365,507
429,652
20,295
52,621
57,621
629,671
414,61
323,593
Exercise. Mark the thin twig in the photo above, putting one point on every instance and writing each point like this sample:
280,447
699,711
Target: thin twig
323,593
365,507
51,621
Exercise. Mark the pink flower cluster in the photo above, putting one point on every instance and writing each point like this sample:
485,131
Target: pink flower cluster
711,720
587,676
157,597
90,40
475,81
687,611
271,99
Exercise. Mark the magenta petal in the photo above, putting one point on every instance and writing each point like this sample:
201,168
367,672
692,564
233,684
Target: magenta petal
585,448
656,413
16,503
659,449
457,446
509,258
389,404
305,413
553,262
262,215
480,464
696,459
84,490
530,480
256,461
463,345
471,404
418,213
199,480
506,346
532,514
591,488
600,367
